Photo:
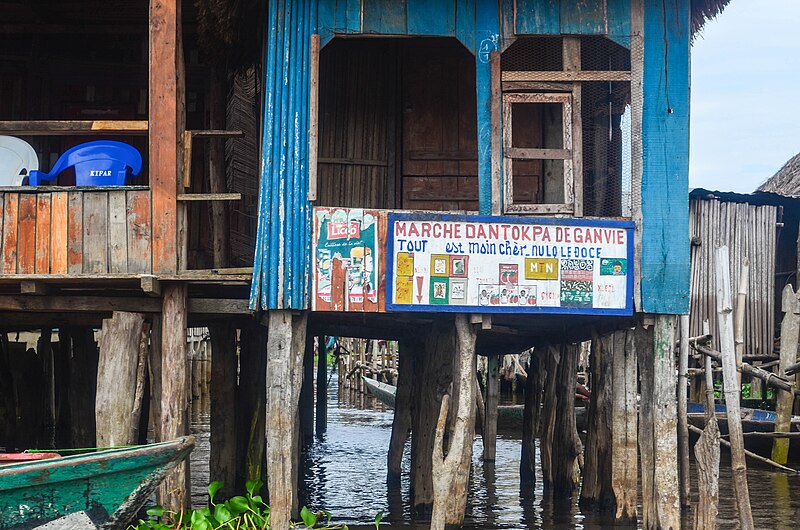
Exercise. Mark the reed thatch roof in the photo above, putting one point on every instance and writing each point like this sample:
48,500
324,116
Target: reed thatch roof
786,181
705,10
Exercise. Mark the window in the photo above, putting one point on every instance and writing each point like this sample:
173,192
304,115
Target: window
541,152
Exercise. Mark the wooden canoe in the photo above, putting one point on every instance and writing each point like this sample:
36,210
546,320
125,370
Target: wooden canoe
107,487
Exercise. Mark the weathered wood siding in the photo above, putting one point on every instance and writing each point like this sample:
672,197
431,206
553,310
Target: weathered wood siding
750,232
76,232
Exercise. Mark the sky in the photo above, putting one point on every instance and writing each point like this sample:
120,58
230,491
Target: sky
745,107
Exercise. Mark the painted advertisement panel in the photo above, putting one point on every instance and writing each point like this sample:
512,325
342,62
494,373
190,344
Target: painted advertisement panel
345,265
488,264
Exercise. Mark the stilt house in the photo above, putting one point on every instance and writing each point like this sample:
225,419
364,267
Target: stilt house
385,167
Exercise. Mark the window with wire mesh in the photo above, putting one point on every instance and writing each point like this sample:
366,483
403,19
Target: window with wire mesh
605,149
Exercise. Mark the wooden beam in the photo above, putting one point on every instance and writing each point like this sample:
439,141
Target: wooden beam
33,287
72,127
520,153
166,118
497,140
100,304
571,76
150,285
209,197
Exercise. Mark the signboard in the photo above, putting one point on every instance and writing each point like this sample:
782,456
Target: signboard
487,264
345,260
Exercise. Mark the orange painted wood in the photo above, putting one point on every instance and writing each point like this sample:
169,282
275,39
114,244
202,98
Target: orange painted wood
338,281
10,222
383,226
164,117
95,232
139,232
43,232
26,244
75,233
58,233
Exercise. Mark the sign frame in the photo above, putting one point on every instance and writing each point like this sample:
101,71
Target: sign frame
627,225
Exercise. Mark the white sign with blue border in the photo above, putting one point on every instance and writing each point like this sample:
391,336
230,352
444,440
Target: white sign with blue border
494,264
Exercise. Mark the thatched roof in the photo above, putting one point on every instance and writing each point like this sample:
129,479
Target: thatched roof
786,181
705,10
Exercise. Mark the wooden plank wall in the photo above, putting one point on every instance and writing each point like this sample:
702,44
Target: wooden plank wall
440,129
357,121
76,232
750,232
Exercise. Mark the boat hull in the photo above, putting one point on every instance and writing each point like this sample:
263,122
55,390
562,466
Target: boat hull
109,486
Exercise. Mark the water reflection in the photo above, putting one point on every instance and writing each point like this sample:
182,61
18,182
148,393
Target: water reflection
344,472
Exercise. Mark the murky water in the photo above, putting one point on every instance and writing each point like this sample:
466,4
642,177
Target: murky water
344,472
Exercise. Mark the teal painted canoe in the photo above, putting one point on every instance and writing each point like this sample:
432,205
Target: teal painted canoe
107,487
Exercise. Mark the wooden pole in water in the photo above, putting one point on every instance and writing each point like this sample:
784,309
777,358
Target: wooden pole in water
566,444
665,424
530,419
174,391
683,422
116,378
322,386
286,341
624,431
706,452
432,377
223,457
732,390
307,392
790,331
401,423
741,299
549,413
45,353
141,380
451,473
597,493
492,401
250,401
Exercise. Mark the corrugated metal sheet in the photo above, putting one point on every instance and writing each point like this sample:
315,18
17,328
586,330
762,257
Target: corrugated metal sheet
281,268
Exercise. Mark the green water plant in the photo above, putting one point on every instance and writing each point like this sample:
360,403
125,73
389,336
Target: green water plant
247,512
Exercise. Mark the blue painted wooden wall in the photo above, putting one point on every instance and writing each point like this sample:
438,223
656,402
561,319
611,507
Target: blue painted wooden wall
665,145
282,262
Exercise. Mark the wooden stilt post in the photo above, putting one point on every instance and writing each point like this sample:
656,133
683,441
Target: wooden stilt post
665,424
139,414
9,428
566,444
45,353
530,419
116,378
549,413
625,426
597,493
683,422
644,351
790,331
732,388
223,457
451,473
432,377
286,342
322,386
154,373
82,381
401,423
250,404
307,392
492,401
174,391
61,359
706,452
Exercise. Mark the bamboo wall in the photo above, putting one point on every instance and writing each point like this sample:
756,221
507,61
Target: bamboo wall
750,232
